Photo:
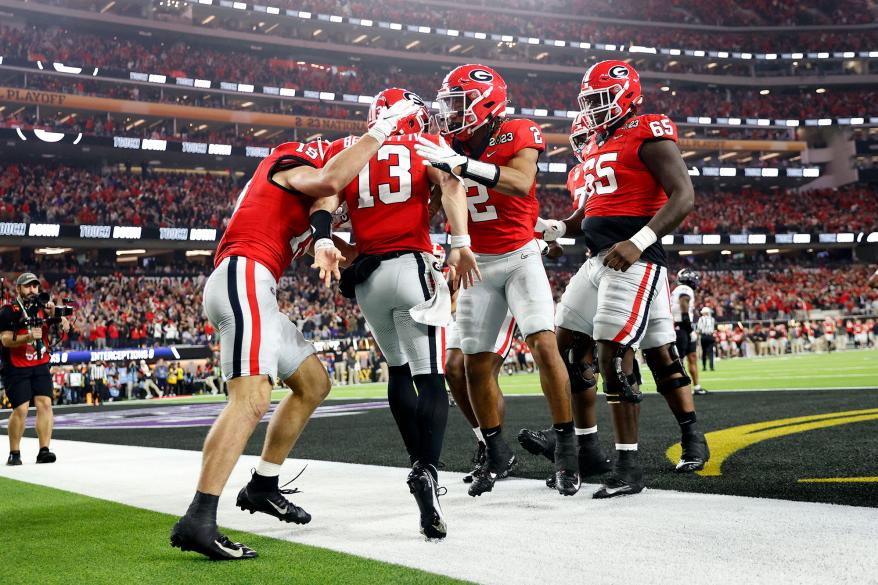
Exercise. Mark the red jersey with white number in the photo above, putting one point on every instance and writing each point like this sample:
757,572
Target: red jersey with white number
619,192
271,224
388,203
500,223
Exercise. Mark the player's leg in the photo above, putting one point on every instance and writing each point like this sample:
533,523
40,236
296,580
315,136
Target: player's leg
305,376
660,353
481,311
692,367
232,304
530,300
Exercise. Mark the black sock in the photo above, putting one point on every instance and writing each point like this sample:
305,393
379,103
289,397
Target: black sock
43,449
203,506
686,421
565,428
403,402
16,452
432,416
262,483
491,433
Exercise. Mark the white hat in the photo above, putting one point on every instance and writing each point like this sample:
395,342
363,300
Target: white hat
705,310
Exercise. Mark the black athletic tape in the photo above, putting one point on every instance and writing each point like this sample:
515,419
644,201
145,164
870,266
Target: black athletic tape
321,224
672,384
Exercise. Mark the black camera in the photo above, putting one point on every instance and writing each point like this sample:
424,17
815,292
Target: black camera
32,307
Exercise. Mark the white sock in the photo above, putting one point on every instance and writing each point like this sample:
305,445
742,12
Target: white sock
267,469
698,386
626,446
586,431
479,436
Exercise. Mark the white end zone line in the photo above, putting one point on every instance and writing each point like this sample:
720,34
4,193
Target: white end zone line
520,533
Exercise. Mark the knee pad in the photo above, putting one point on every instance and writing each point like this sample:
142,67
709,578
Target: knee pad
619,386
578,370
661,372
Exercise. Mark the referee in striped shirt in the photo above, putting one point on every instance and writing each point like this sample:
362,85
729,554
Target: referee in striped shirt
706,327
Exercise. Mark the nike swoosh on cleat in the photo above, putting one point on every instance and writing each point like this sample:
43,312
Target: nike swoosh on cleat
612,491
232,552
279,510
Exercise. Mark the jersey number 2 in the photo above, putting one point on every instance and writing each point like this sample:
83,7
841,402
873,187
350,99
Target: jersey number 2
478,198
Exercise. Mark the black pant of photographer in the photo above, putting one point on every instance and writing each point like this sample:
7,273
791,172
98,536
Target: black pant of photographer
22,386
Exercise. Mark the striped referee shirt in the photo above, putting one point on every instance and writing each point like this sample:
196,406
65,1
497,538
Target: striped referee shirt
706,325
97,371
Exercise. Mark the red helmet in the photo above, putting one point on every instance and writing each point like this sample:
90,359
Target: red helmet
411,124
470,97
609,90
579,136
439,252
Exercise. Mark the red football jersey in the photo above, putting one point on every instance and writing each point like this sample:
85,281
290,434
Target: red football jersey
388,203
271,224
619,192
500,223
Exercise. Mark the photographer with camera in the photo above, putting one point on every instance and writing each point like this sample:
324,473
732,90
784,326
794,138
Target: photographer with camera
28,327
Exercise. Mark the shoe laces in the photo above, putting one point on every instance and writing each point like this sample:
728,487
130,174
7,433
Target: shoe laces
289,491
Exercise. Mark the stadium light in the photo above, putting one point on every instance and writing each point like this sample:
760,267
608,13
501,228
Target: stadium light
130,252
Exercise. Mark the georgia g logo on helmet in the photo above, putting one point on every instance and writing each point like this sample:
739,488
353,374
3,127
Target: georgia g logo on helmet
413,98
481,75
618,72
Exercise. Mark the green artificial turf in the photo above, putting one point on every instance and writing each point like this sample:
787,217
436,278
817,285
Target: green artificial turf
52,536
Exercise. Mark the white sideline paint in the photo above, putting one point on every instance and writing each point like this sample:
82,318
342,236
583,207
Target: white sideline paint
521,533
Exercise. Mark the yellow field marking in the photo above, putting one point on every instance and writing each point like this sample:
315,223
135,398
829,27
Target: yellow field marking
840,480
726,442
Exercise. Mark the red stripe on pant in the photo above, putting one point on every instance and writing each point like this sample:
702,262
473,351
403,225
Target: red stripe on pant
255,321
637,302
442,337
502,351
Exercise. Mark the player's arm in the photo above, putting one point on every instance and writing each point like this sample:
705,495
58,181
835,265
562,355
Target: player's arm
686,323
341,169
515,179
557,228
461,260
663,159
873,280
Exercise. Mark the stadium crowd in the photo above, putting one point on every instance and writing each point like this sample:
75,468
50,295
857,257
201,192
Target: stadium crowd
58,193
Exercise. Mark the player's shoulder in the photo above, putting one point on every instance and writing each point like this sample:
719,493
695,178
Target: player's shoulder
308,153
517,125
574,173
651,127
518,134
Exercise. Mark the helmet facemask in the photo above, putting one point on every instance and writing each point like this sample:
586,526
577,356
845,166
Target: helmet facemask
600,107
456,111
578,142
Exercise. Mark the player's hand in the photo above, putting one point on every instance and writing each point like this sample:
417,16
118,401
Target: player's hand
65,324
36,333
327,259
349,252
873,281
441,156
464,269
622,255
555,251
552,229
389,118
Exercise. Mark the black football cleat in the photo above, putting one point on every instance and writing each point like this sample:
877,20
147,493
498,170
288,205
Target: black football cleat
423,487
204,538
46,456
695,453
272,503
566,482
626,479
566,464
538,442
499,461
592,459
478,460
14,459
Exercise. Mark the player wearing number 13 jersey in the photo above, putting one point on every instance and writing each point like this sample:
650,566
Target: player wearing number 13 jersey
633,188
497,158
395,272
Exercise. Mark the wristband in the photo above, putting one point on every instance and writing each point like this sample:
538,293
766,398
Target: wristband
323,243
480,172
377,135
463,241
321,224
644,238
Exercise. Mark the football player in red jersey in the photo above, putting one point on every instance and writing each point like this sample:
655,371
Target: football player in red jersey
271,225
497,159
400,288
636,189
